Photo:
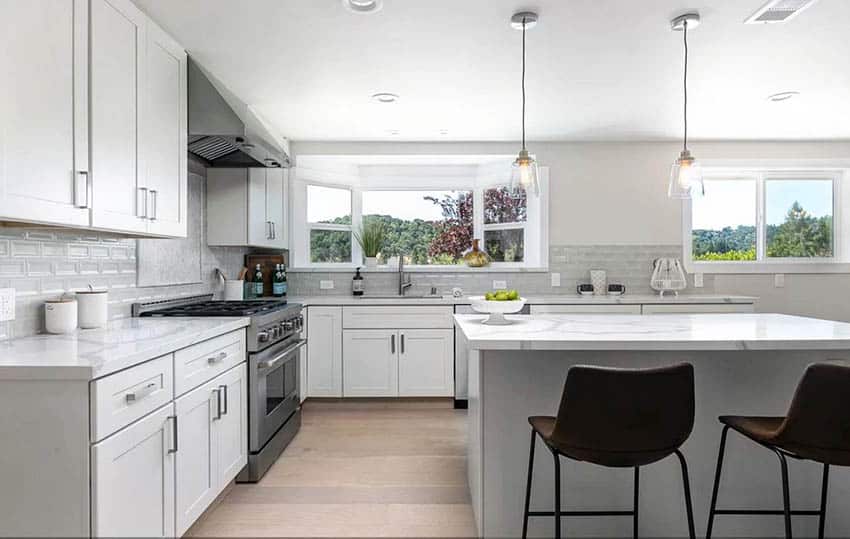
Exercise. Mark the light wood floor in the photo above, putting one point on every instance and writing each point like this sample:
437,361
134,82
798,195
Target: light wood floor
358,469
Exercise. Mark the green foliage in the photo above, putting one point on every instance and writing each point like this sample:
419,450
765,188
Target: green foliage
735,255
371,237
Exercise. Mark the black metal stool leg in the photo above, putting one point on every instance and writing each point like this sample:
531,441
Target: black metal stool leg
636,503
716,483
557,495
786,495
686,483
528,485
823,492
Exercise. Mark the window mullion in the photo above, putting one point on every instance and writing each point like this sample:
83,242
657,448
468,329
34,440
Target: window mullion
761,228
478,213
356,224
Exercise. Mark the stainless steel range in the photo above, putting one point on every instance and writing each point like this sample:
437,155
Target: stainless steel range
274,341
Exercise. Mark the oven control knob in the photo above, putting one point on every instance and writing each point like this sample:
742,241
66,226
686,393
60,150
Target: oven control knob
289,325
263,336
275,332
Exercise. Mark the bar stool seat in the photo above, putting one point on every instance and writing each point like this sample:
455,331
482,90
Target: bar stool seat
759,428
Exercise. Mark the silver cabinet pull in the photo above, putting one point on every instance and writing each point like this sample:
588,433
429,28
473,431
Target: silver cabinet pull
223,388
173,433
217,403
269,230
81,189
392,343
140,393
153,204
274,230
217,359
402,343
142,203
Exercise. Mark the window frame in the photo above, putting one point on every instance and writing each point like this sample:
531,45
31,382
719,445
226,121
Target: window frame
838,263
535,226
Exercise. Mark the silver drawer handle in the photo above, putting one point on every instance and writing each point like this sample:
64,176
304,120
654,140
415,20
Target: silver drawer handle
217,393
217,359
141,393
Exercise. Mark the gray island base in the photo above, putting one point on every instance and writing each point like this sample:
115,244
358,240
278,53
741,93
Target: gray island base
745,364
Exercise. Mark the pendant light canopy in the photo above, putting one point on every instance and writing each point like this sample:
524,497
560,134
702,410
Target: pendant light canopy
686,173
524,170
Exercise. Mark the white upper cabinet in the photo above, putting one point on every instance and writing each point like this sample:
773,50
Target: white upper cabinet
43,115
247,207
93,120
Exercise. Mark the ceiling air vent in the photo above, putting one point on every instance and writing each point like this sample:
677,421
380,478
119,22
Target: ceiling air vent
779,11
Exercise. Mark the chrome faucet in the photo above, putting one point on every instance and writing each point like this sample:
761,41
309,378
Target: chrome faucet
403,284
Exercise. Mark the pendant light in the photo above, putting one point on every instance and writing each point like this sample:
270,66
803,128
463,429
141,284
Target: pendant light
686,173
524,169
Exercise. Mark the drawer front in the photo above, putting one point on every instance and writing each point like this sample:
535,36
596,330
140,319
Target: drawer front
204,361
121,398
401,317
585,309
684,308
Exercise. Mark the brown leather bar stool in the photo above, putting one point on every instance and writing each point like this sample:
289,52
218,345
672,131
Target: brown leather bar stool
817,428
618,418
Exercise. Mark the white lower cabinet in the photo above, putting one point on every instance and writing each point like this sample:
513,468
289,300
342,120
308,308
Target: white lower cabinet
426,363
324,351
370,363
212,438
133,479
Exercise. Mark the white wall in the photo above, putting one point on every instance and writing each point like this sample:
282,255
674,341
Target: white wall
616,193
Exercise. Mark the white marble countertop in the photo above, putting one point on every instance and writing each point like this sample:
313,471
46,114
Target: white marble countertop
656,332
92,353
563,299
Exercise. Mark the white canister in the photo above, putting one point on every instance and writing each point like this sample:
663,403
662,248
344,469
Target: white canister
233,290
93,308
60,316
599,280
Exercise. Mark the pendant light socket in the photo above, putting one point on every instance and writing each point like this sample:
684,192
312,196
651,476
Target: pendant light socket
524,18
691,19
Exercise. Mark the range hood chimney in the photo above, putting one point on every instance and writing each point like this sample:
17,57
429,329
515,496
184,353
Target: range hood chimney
219,136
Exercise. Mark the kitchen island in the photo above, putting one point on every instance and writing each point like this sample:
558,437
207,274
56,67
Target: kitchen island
744,364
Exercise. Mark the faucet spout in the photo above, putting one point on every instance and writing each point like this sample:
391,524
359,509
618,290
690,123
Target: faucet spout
403,280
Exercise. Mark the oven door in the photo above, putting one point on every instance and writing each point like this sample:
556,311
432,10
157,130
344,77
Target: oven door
274,381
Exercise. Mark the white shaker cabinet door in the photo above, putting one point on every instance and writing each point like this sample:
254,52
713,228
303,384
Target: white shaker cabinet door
133,479
43,114
324,351
426,363
370,363
259,225
164,137
275,206
117,72
233,425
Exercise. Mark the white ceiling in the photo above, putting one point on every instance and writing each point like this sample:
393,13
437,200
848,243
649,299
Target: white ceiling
597,69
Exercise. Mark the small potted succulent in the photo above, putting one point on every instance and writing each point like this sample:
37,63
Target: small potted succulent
371,239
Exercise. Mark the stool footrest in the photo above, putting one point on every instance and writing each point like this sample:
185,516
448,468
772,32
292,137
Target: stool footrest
582,513
763,512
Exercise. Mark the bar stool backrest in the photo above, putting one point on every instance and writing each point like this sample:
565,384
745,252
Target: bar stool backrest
819,415
626,410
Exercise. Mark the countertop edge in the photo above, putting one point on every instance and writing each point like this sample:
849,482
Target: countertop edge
638,299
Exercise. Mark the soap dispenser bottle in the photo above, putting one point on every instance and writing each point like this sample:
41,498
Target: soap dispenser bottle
357,287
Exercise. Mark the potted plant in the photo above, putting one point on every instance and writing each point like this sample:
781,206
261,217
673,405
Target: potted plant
371,239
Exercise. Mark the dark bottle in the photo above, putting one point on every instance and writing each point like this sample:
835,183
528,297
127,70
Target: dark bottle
258,282
279,284
357,284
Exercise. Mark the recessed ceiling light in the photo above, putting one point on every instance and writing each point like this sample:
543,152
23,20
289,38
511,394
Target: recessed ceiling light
782,96
363,6
384,97
393,132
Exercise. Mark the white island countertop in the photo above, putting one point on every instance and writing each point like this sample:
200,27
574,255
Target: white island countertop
560,299
92,353
655,332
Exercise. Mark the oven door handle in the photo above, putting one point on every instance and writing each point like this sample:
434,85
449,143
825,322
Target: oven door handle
272,362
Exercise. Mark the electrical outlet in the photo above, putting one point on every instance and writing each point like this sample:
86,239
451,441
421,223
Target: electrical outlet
779,280
556,279
698,280
500,285
7,304
326,285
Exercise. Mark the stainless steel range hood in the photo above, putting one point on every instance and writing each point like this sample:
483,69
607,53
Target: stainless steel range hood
220,136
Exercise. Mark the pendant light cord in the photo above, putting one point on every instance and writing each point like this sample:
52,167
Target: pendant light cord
523,82
685,84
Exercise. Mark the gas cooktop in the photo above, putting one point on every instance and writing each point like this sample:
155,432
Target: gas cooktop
220,308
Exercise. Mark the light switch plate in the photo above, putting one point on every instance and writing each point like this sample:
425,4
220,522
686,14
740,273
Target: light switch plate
779,280
698,280
500,285
556,279
326,285
7,304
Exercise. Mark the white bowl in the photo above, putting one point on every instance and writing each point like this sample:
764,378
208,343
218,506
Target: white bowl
496,309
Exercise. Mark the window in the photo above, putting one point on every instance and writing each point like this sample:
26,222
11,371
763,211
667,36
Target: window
765,221
329,224
430,215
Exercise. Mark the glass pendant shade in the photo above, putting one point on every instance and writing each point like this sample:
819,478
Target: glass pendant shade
524,174
685,177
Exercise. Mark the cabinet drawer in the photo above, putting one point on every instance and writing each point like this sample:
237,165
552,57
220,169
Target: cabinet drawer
121,398
401,317
204,361
585,309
